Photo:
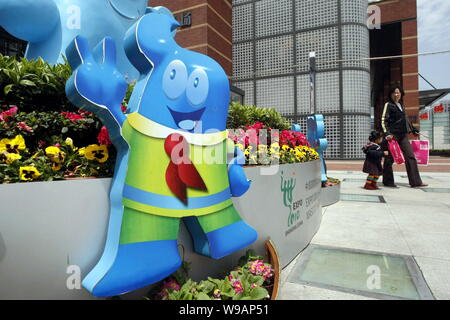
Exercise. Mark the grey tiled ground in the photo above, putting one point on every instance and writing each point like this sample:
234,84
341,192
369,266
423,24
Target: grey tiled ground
411,222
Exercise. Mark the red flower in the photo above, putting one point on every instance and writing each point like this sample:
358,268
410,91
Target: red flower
293,139
123,108
256,126
103,137
72,116
439,109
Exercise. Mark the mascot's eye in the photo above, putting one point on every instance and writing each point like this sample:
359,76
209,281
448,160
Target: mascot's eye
197,87
174,79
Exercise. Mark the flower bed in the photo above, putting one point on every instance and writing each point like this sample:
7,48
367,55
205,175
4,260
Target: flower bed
252,279
264,139
46,146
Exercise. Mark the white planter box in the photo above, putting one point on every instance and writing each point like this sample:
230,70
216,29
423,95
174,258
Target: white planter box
330,195
45,227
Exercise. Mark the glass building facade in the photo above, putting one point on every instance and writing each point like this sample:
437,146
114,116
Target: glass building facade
271,45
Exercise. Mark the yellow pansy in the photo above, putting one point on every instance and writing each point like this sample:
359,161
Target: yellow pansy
13,145
28,173
82,151
56,166
285,148
300,155
55,154
96,152
9,157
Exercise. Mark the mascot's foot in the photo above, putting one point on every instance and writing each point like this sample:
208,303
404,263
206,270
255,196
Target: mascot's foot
229,239
138,265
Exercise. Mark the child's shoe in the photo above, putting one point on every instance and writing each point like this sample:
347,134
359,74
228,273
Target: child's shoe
369,186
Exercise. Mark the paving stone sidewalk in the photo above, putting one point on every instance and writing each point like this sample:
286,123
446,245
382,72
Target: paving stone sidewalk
411,223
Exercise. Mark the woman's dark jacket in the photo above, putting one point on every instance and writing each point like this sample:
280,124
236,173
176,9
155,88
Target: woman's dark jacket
374,154
395,122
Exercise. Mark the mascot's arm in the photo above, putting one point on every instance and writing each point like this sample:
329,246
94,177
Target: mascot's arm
239,184
29,20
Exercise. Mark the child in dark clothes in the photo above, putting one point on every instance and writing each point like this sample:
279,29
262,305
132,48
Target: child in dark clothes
372,165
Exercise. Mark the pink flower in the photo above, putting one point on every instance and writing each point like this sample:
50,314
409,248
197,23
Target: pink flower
103,137
237,285
171,285
267,273
57,145
41,144
23,126
255,266
72,116
253,286
5,115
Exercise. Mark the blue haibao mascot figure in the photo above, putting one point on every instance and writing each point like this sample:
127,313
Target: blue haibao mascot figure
179,111
316,136
50,25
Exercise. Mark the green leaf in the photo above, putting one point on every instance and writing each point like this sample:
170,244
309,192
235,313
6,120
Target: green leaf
8,89
202,296
258,293
27,83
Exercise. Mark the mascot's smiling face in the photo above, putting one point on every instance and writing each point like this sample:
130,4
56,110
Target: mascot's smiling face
186,90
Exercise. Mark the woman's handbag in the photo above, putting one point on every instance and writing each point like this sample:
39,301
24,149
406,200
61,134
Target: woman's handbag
396,152
421,151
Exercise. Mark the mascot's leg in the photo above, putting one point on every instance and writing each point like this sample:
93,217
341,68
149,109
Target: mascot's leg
220,233
147,253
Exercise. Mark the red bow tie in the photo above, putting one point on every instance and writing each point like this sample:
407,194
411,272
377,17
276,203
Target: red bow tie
181,173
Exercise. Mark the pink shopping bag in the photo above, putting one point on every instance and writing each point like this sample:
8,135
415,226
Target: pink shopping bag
396,152
421,151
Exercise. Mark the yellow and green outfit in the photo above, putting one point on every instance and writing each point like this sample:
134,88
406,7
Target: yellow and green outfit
151,211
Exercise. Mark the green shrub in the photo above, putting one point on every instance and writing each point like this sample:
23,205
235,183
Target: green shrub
34,85
240,116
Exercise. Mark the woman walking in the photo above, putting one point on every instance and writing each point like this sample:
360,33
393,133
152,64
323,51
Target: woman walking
396,126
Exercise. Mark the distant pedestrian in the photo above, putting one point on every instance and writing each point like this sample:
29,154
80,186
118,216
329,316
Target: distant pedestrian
396,126
374,155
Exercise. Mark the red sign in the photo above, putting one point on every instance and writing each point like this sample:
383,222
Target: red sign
425,116
439,109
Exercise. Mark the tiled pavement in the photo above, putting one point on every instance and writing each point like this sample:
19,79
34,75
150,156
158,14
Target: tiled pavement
411,223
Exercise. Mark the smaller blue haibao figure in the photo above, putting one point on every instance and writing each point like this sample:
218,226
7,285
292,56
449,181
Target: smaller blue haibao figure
177,123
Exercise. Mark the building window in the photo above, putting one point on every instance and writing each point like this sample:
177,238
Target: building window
10,46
